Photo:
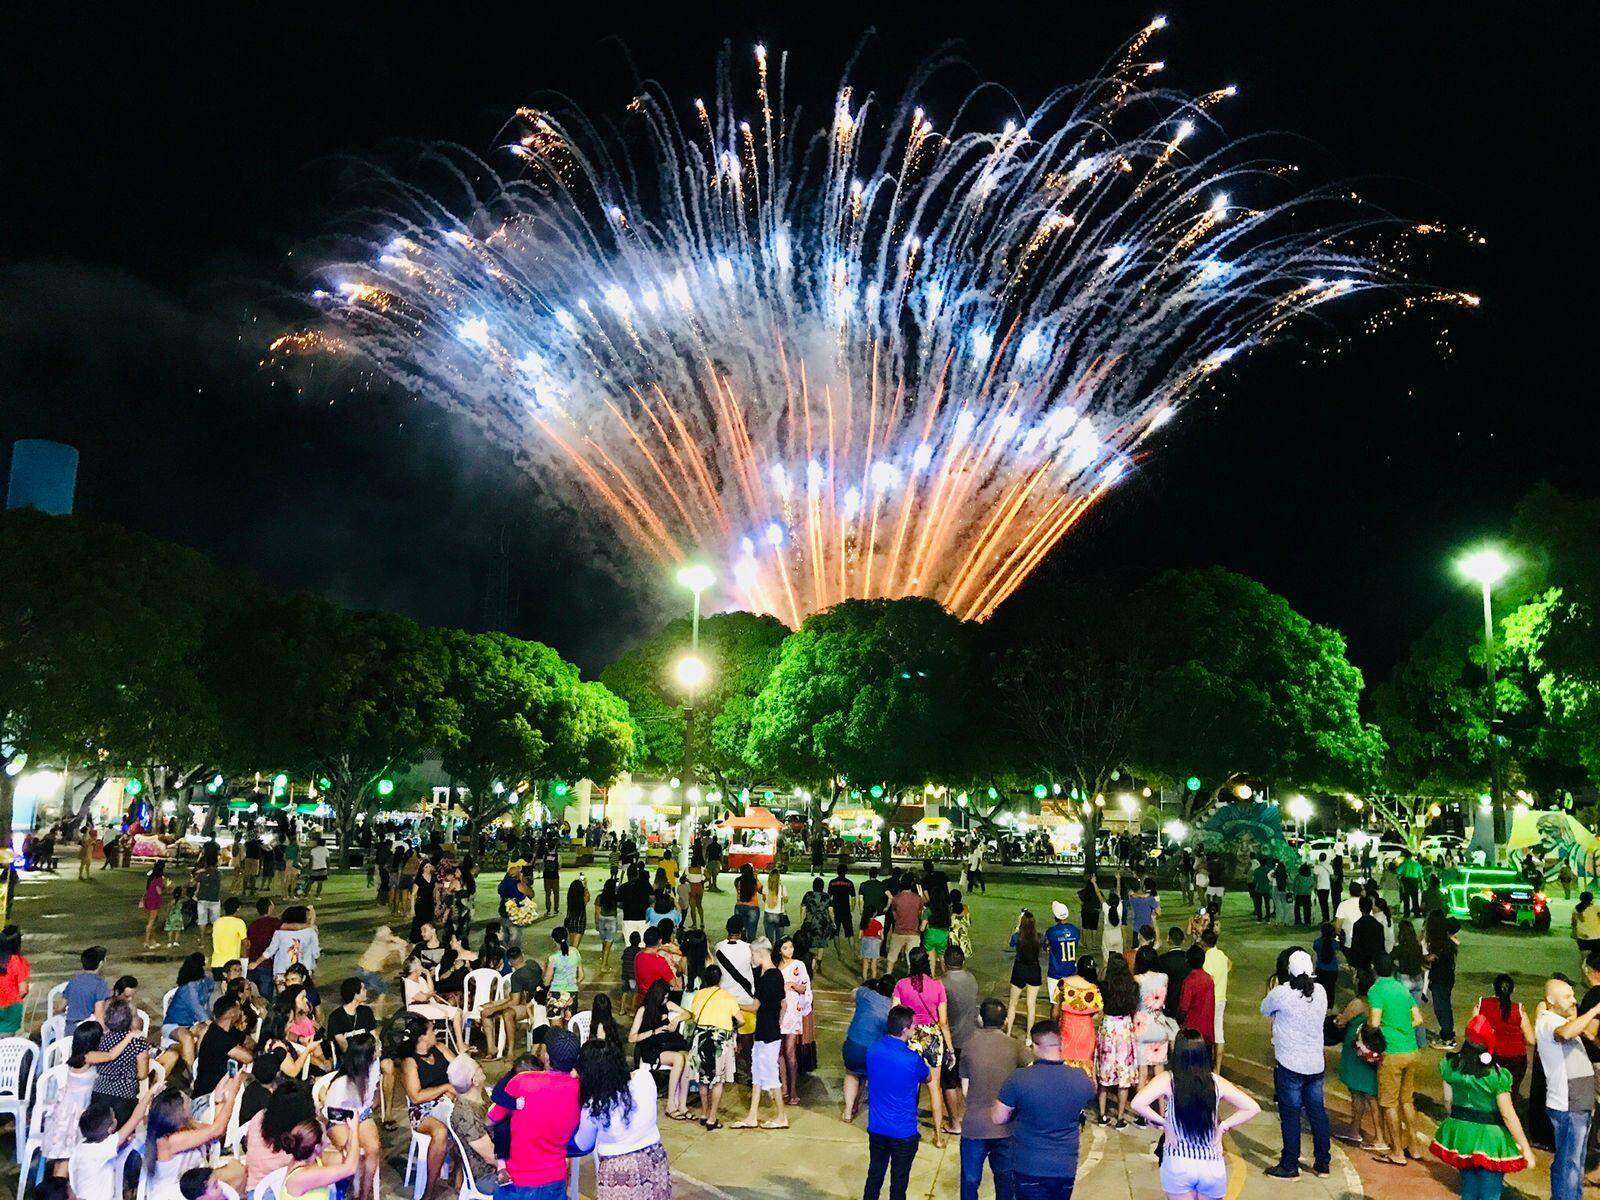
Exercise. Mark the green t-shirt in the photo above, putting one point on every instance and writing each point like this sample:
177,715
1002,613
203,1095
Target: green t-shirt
1301,885
1410,869
1394,998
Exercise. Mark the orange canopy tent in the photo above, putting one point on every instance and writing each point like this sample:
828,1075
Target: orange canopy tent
755,817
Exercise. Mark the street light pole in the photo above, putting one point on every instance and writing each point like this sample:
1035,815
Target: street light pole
1486,568
691,673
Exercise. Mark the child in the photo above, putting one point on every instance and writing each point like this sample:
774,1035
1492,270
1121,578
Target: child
91,1169
1112,938
629,953
872,948
173,923
61,1119
155,890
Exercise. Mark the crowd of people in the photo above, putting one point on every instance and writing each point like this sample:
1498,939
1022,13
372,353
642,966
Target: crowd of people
612,1007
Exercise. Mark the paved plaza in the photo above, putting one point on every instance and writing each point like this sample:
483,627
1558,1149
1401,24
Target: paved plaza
820,1155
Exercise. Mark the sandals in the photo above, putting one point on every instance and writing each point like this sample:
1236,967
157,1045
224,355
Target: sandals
775,1124
711,1125
1402,1161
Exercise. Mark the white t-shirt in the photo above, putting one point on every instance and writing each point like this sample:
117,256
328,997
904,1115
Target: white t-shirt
737,953
90,1170
617,1133
318,858
1568,1073
1322,874
1347,914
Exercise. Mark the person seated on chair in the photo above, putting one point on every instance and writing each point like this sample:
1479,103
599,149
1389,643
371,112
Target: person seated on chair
424,1073
200,1183
467,1120
176,1141
309,1177
352,1095
422,1000
525,977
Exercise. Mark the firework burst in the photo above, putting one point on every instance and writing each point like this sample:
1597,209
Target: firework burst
880,358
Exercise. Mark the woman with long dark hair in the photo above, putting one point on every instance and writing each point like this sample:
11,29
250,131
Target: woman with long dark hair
1298,1009
598,1022
1360,1051
1026,976
1511,1031
425,1075
1192,1165
155,890
655,1039
577,922
1152,1028
617,1114
1411,969
936,932
796,1007
747,900
174,1142
351,1097
605,919
1116,1066
930,1032
61,1133
1482,1137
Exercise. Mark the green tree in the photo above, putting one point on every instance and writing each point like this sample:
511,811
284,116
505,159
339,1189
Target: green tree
873,690
523,715
739,649
103,637
1066,702
1237,683
337,696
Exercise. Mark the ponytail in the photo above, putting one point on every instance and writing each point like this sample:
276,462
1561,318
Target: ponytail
559,933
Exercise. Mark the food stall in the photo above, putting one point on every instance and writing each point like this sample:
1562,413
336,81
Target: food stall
752,838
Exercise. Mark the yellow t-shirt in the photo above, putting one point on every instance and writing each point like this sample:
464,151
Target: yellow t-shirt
669,864
714,1008
1217,965
228,937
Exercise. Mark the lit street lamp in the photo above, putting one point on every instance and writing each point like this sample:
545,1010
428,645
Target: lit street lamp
1486,568
692,672
1300,812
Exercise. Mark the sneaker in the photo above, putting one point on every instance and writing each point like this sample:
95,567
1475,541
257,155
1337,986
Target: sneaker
1321,1172
1282,1172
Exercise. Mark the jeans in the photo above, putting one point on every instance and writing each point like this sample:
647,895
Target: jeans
1294,1092
263,979
1479,1184
542,1191
1302,910
1043,1187
998,1152
1322,902
1442,1010
1566,1169
752,920
772,926
883,1154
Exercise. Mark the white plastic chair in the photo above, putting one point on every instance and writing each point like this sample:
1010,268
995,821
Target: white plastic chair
271,1187
166,1003
483,986
55,1054
59,992
158,1076
52,1083
469,1187
54,1029
141,1021
17,1057
416,1172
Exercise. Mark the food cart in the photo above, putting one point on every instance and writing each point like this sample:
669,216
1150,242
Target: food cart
752,838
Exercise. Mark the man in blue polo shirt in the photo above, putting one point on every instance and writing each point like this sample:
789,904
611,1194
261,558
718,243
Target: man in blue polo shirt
895,1075
1061,939
1043,1103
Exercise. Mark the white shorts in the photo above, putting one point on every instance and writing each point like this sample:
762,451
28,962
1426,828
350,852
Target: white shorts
764,1066
207,912
1222,1008
1206,1176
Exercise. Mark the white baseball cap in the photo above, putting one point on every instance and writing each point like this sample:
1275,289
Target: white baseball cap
1059,909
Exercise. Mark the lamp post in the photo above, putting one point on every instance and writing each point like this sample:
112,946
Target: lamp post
1486,568
692,673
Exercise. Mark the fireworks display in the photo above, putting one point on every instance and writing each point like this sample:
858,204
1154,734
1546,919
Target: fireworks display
878,358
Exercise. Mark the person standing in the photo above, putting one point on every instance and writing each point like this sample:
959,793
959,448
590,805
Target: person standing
1439,945
1175,966
1395,1013
842,895
316,866
1197,999
1297,1008
905,922
1218,965
1192,1162
1025,974
1322,880
551,868
1061,944
1482,1137
925,998
767,1048
975,881
1115,1058
895,1075
988,1060
1302,885
1090,902
1512,1031
961,1004
1045,1101
1569,1094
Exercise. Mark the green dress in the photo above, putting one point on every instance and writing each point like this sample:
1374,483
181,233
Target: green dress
1473,1135
1361,1078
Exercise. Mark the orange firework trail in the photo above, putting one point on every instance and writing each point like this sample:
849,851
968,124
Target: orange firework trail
875,359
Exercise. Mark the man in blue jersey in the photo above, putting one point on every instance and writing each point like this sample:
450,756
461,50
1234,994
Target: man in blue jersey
1061,940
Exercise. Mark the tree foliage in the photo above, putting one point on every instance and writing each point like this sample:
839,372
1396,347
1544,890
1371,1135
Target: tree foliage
739,649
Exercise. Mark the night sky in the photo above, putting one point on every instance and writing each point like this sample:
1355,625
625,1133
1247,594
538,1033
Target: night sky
167,180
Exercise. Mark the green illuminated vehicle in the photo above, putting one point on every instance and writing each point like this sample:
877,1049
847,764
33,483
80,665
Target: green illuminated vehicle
1490,896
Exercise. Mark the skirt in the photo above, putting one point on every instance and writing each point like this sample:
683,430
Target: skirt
642,1175
578,921
706,1054
1115,1058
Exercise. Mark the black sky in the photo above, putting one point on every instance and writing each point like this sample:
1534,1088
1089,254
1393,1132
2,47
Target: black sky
162,170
